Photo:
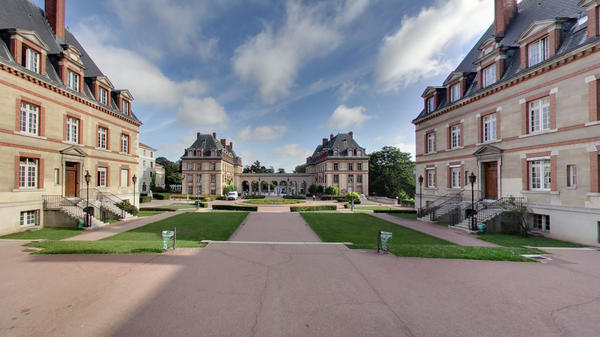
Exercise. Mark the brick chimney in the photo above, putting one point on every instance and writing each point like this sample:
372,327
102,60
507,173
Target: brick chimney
55,14
351,134
198,134
224,142
231,145
214,135
505,10
324,141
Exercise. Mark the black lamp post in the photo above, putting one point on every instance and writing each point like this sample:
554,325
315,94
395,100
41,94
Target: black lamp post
134,179
472,179
420,195
87,177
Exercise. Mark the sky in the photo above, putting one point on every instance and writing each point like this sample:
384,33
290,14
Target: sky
275,77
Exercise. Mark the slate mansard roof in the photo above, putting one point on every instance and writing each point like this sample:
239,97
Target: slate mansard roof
207,143
23,14
342,142
573,36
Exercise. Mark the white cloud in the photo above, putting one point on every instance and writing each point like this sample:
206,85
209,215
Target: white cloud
263,133
201,112
404,145
344,117
290,155
419,49
273,58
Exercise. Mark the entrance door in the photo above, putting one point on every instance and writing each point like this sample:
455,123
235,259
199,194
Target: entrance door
491,180
71,179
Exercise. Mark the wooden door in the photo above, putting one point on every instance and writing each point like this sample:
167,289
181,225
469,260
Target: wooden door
491,180
71,181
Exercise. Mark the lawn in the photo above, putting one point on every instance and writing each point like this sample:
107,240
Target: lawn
372,208
361,230
97,247
508,240
179,206
45,234
149,213
274,201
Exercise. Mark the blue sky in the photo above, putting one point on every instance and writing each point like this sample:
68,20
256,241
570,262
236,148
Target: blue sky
275,77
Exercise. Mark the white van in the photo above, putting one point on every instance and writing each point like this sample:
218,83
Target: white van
233,195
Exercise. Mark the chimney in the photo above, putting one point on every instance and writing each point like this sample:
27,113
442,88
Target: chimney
223,142
505,10
351,134
324,141
214,135
231,145
198,134
55,14
331,136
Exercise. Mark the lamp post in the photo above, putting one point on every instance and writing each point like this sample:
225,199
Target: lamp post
420,195
87,177
472,179
134,180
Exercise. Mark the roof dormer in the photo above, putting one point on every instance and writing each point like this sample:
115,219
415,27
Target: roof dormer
456,86
101,87
28,49
592,8
432,97
540,41
124,99
490,65
70,67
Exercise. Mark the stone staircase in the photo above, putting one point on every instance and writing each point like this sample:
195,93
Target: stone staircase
70,207
441,206
487,210
74,212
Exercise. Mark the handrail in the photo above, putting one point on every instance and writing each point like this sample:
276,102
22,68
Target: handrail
107,200
434,205
58,201
487,210
452,201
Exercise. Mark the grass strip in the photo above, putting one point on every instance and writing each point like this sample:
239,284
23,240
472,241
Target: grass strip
313,208
510,240
274,201
45,234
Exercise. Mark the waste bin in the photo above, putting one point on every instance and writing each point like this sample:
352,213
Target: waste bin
383,241
166,236
481,227
79,224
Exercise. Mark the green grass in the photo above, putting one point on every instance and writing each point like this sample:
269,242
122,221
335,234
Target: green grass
45,234
149,213
179,206
361,230
191,228
97,247
371,208
508,240
274,201
112,220
404,216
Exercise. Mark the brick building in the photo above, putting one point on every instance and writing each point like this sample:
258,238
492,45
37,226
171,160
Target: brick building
521,113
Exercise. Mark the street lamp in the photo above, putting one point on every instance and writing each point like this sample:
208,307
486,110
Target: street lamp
472,179
87,177
134,179
420,195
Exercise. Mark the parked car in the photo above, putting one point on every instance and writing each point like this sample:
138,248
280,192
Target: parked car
232,195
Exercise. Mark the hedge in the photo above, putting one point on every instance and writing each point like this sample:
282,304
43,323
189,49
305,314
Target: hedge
127,207
164,209
298,197
161,196
348,205
201,204
145,198
402,211
235,208
313,208
254,196
328,197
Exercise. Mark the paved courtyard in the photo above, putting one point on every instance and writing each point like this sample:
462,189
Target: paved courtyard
294,289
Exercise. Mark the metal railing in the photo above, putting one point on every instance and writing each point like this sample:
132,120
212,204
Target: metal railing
108,201
484,211
434,205
59,202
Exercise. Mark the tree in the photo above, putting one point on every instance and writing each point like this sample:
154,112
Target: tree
228,188
300,168
312,189
280,170
256,167
172,171
391,171
332,190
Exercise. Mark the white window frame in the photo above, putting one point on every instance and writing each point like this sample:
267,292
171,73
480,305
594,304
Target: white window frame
539,175
572,176
124,143
29,218
190,178
455,177
538,52
430,104
455,131
32,60
455,93
191,189
541,222
72,130
30,118
102,95
489,128
351,179
488,75
28,173
430,173
102,137
56,176
199,179
124,177
430,146
73,80
101,175
125,107
539,115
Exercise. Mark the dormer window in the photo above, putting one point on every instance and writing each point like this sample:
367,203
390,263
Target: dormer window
489,75
103,95
455,93
31,59
538,51
125,107
73,80
430,104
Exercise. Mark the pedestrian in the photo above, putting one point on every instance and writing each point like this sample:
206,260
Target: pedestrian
313,197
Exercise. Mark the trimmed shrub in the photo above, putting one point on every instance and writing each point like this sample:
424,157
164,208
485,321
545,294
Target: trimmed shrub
298,197
201,204
349,204
401,211
312,189
163,209
127,207
341,199
320,189
351,195
313,208
161,196
332,190
328,197
254,196
235,208
145,198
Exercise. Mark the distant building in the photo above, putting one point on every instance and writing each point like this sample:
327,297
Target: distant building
159,175
146,159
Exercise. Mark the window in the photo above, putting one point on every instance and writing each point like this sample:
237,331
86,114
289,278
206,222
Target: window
125,143
430,177
190,189
455,136
359,166
213,178
102,95
30,115
199,179
199,166
102,135
541,222
350,167
124,177
430,104
28,173
430,146
336,166
29,218
190,166
455,177
213,190
359,178
539,115
455,93
72,80
350,179
336,178
213,166
101,177
489,128
489,76
571,176
538,51
72,130
56,176
539,175
32,59
125,107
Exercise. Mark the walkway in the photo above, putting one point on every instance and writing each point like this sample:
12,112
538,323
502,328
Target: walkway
275,227
119,227
437,231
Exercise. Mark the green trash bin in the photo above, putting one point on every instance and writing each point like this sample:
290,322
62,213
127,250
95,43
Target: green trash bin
79,224
167,236
481,227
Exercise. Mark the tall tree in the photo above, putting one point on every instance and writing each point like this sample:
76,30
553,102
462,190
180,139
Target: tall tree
172,171
256,167
391,172
300,168
280,170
